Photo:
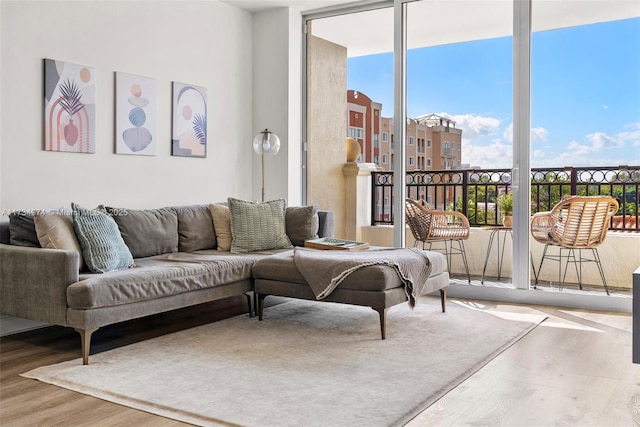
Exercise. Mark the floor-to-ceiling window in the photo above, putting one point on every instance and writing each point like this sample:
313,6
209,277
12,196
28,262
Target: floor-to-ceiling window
585,118
459,98
460,63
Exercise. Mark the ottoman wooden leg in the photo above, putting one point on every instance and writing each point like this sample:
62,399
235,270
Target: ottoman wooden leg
443,299
260,300
383,320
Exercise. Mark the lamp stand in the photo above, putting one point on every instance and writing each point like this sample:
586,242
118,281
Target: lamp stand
262,155
265,142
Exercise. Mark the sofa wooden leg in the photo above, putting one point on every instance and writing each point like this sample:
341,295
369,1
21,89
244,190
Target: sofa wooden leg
250,297
85,341
443,299
383,322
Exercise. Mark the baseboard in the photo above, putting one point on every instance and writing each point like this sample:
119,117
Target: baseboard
541,297
13,325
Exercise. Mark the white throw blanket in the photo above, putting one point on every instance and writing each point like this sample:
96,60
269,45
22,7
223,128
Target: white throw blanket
324,270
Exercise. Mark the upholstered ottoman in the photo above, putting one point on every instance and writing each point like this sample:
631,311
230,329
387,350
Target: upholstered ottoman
375,286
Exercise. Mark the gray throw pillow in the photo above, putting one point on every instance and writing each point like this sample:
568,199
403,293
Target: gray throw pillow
258,226
22,229
195,228
147,232
302,224
102,246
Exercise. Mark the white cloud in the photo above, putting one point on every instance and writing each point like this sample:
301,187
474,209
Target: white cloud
632,138
538,134
508,133
496,155
600,141
595,149
601,147
474,126
575,158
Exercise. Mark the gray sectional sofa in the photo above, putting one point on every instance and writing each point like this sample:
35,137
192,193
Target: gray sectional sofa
181,256
186,268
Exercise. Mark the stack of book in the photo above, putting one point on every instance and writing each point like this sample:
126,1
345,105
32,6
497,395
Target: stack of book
335,244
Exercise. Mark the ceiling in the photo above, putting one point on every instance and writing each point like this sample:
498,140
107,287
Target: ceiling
303,6
440,22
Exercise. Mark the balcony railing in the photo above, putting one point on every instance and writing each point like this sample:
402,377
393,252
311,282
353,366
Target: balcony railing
474,191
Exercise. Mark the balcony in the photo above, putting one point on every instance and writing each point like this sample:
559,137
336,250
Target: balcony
473,192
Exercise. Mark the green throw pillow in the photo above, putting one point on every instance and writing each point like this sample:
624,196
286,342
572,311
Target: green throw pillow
258,226
103,248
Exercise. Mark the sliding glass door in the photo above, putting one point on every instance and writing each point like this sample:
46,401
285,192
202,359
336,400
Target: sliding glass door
459,96
459,100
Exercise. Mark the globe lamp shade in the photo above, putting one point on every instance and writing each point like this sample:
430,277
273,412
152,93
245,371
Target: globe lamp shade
266,142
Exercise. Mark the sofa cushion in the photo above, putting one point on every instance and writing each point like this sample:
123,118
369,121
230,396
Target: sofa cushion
103,248
55,231
258,226
160,276
301,224
222,225
147,232
195,228
22,229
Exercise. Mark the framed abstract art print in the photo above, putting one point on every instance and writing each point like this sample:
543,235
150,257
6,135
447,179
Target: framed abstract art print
69,107
189,130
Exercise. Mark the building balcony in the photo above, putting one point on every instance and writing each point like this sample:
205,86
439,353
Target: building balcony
620,253
620,256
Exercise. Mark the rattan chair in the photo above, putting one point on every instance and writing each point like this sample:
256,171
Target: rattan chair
429,226
575,224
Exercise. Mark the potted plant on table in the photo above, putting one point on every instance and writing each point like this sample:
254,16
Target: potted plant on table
505,203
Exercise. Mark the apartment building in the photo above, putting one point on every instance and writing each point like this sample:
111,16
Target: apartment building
433,141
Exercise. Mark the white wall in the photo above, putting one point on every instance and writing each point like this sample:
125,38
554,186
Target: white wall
276,104
202,43
1,93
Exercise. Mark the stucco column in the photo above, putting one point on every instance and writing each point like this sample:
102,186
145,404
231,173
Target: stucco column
357,197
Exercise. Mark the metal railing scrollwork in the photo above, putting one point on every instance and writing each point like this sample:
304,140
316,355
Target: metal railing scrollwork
474,191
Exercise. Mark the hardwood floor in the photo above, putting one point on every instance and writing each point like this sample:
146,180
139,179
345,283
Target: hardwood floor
573,370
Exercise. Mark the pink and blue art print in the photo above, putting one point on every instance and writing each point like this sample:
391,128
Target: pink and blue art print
136,115
189,132
69,107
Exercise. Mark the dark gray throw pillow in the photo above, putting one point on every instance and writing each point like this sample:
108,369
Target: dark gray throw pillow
22,229
302,223
147,232
195,228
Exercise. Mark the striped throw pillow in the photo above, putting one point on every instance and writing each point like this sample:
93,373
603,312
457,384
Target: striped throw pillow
103,248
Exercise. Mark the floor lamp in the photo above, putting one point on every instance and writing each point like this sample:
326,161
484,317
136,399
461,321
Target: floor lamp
266,142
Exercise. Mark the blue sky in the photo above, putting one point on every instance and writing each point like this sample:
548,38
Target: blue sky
585,94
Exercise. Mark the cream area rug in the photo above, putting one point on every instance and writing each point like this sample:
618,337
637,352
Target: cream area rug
307,363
